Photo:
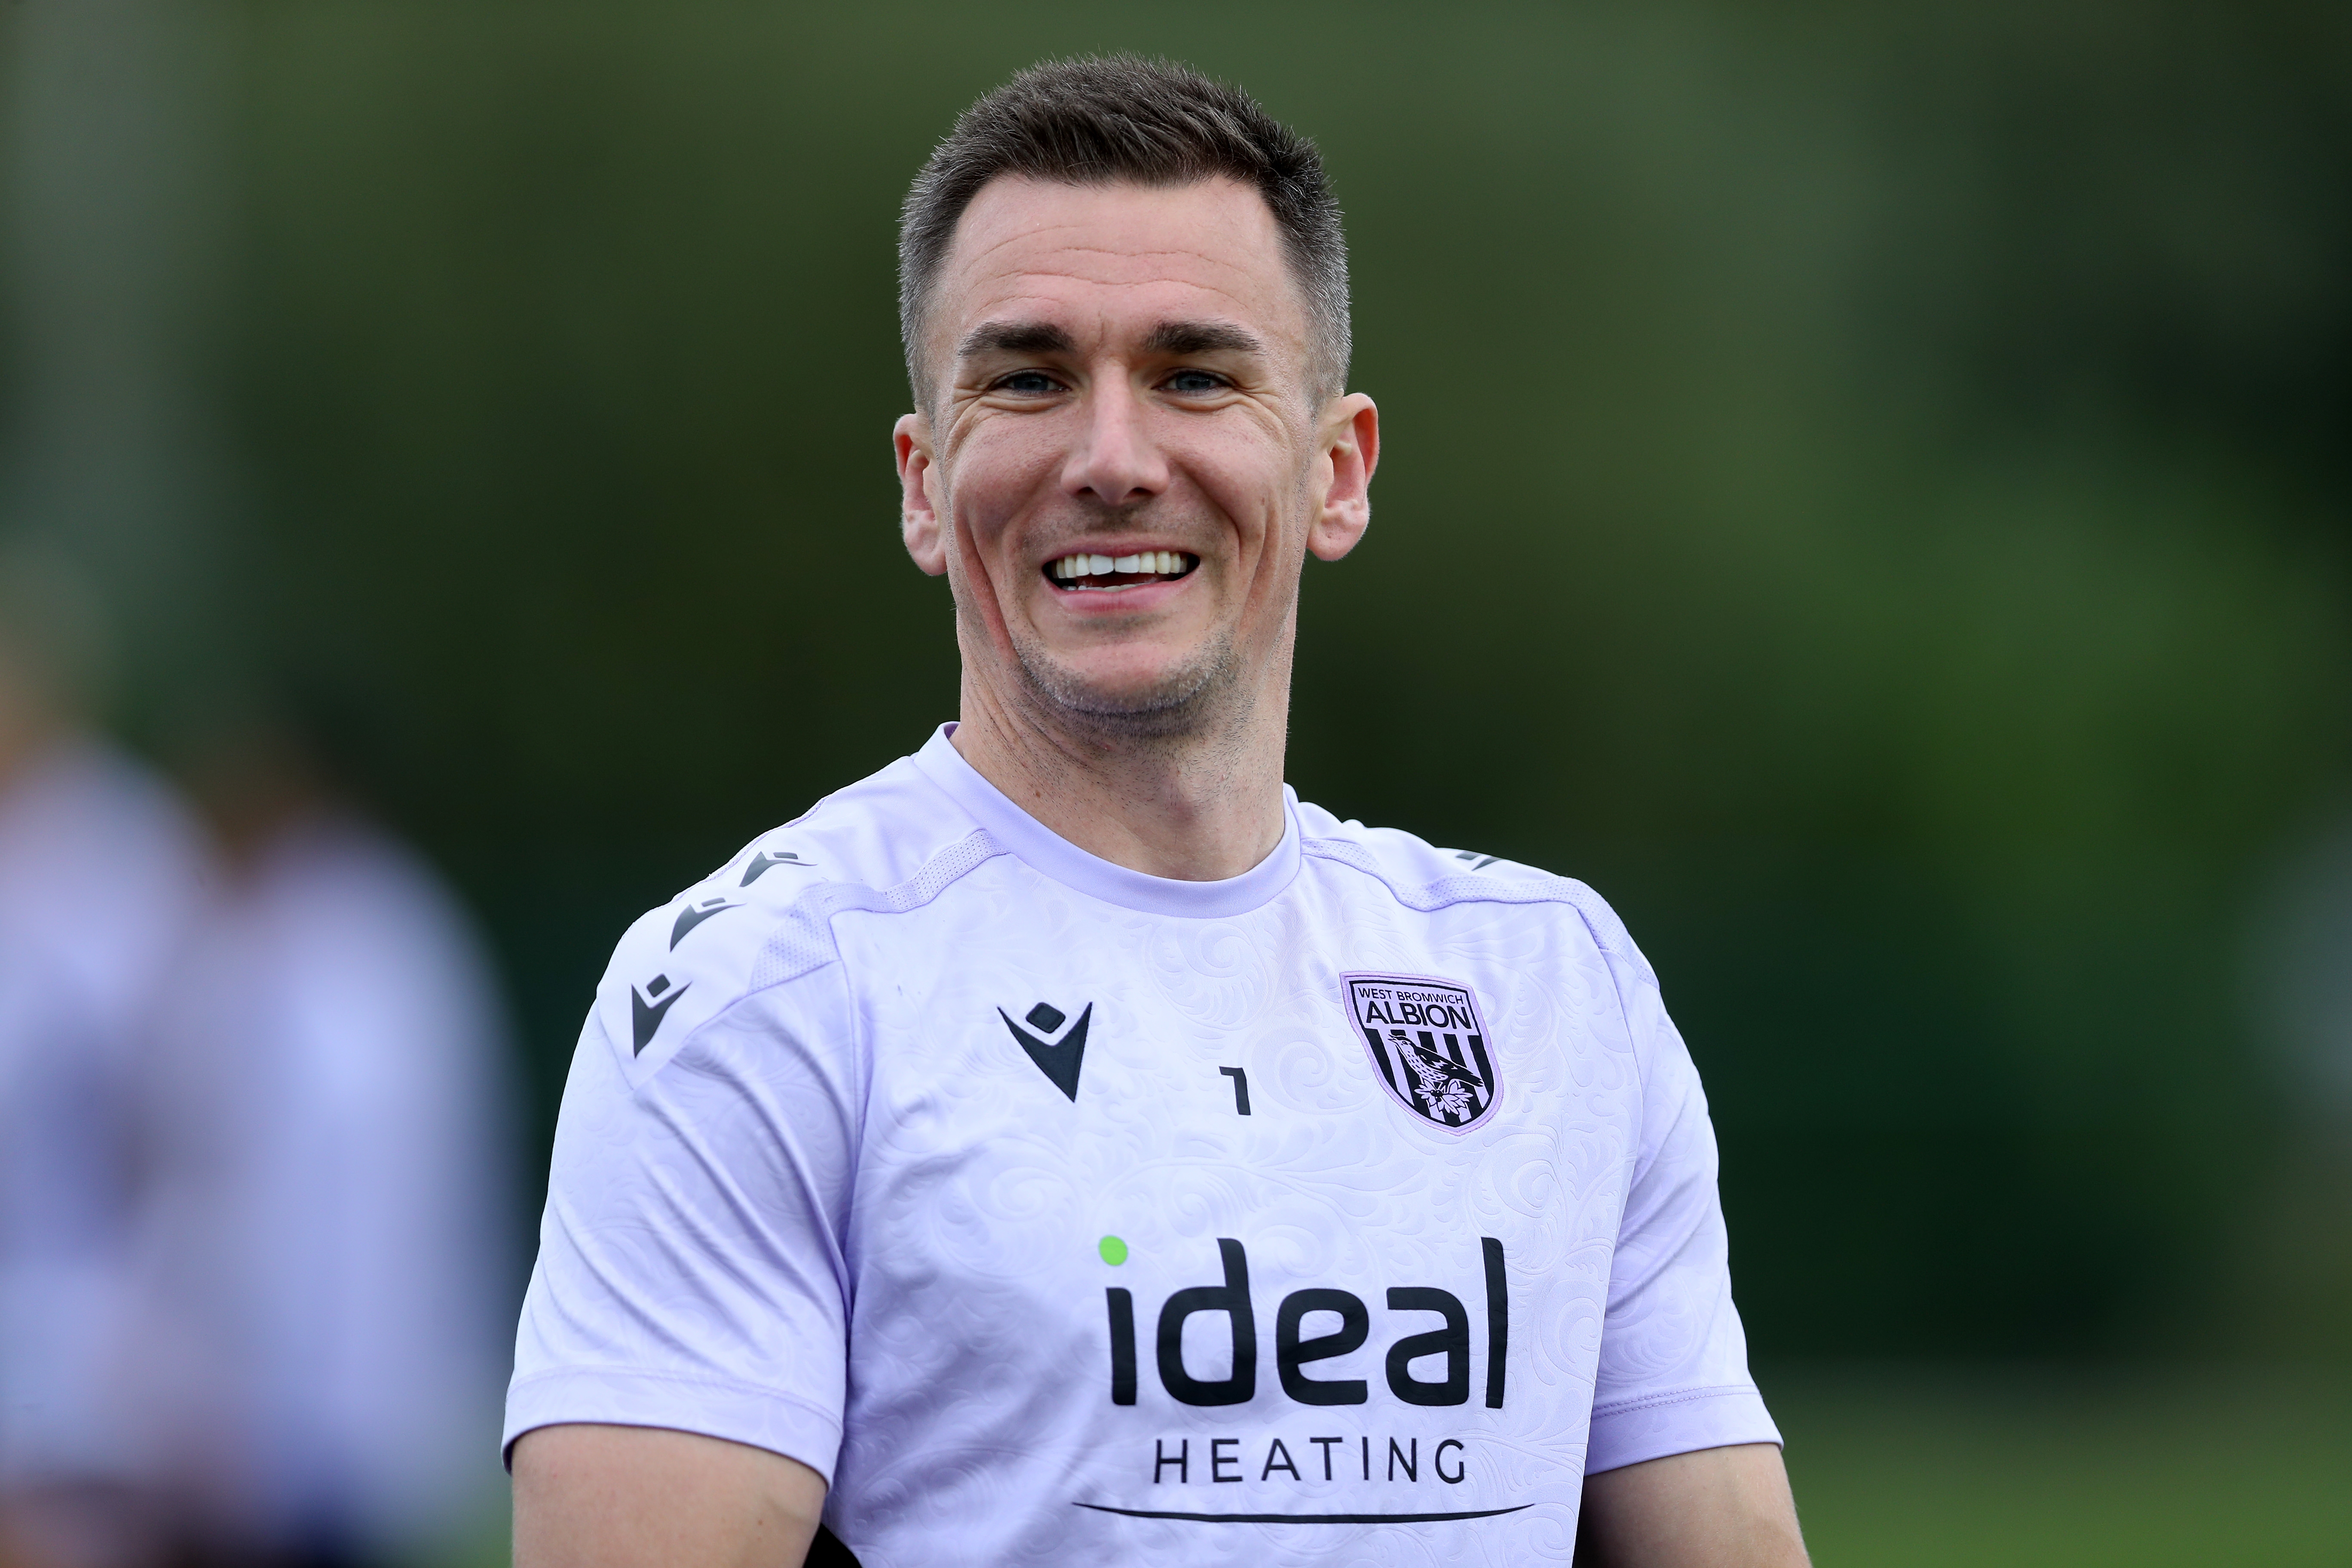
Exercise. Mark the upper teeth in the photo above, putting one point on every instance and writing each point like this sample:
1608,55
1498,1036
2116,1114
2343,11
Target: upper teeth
1165,562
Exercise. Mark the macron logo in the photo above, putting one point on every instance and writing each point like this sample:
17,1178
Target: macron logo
646,1014
1061,1059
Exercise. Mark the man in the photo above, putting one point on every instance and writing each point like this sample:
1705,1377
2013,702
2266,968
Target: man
324,1228
1064,1146
102,876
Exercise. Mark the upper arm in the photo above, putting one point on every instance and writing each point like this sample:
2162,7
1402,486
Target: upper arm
1672,1375
691,1272
641,1497
1714,1508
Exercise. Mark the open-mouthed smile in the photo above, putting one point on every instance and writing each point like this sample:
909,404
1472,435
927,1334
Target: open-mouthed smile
1082,572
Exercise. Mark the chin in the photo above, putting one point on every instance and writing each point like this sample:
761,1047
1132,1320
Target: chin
1140,698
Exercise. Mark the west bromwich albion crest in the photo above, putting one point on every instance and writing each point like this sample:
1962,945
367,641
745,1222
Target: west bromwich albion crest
1427,1043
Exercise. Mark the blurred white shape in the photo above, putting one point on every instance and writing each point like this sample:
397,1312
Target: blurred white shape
330,1231
99,878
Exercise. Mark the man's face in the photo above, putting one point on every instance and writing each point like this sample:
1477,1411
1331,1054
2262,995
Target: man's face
1123,465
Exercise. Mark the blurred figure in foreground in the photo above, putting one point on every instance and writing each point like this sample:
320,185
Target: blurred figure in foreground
330,1229
100,878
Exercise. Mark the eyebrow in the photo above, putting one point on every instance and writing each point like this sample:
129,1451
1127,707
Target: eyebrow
1014,338
1201,338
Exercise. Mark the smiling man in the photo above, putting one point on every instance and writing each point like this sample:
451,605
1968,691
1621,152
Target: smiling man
1064,1146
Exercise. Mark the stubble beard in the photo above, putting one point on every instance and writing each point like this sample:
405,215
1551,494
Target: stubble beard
1184,702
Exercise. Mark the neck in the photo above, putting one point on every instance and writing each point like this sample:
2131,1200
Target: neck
1196,806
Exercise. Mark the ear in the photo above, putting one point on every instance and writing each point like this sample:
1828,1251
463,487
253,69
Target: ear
919,516
1350,433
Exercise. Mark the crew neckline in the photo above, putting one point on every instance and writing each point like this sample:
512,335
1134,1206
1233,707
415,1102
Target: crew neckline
1044,850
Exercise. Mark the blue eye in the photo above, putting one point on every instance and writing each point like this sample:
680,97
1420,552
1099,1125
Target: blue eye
1029,383
1194,384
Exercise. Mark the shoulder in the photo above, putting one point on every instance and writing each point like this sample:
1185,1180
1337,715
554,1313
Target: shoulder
102,872
99,824
1423,876
764,919
360,916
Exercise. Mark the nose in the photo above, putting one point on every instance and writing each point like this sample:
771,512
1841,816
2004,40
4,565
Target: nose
1116,460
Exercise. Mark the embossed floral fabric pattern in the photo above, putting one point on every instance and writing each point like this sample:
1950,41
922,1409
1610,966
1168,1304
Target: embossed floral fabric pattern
1056,1213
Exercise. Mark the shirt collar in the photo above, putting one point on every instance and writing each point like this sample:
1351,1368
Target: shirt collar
1044,850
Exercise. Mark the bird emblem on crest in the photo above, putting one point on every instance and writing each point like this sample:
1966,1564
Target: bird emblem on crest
1448,1090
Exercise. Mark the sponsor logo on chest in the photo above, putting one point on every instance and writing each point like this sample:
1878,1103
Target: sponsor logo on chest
1428,1045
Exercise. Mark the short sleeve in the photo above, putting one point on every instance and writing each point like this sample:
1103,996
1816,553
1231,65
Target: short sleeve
690,1272
1673,1375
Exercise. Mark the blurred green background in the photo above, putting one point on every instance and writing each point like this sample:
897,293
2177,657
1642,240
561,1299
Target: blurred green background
1872,480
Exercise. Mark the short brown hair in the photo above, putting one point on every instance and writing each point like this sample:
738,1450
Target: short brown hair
1114,119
